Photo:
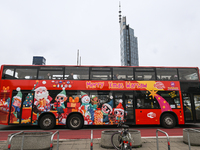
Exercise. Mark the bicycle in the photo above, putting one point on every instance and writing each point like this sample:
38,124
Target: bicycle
124,138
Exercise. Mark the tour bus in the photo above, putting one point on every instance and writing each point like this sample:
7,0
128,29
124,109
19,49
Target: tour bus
75,96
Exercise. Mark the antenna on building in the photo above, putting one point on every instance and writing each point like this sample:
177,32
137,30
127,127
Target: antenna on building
120,12
77,57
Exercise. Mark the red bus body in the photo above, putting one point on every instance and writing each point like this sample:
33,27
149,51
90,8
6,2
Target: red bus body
74,105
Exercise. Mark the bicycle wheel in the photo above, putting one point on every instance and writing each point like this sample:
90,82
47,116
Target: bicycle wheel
130,147
126,148
114,138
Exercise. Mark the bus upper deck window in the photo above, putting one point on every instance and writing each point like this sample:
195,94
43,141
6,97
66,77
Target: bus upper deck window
188,74
8,73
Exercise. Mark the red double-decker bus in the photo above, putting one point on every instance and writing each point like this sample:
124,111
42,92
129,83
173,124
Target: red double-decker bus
98,95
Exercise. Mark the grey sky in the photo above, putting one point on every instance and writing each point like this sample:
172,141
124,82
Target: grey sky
168,31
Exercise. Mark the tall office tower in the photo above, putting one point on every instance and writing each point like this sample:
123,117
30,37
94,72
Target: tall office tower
39,60
128,43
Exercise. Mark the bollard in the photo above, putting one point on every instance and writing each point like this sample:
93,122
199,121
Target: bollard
168,142
194,140
9,143
51,145
91,144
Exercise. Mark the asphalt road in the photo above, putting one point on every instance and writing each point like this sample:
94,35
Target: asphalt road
64,133
28,127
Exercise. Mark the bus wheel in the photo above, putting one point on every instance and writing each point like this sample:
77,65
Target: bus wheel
168,121
75,122
47,122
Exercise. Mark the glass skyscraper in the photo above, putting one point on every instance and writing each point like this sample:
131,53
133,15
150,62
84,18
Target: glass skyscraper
128,44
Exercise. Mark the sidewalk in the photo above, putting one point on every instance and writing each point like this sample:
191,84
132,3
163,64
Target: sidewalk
147,144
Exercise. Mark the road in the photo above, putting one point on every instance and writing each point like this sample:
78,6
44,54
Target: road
146,131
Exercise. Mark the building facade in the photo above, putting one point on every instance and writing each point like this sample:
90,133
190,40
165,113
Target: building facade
128,44
39,60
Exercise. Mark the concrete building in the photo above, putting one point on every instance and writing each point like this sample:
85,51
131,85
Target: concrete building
128,43
39,60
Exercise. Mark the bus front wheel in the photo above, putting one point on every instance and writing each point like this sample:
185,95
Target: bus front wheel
47,122
168,121
75,121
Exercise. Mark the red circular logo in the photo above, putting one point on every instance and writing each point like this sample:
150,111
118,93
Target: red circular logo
159,85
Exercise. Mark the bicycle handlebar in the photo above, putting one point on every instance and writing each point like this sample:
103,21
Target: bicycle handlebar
122,125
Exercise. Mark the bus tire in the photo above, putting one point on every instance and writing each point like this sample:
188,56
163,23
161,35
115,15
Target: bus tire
47,122
75,121
168,121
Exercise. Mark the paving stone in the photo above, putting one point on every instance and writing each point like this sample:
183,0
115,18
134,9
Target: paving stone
147,144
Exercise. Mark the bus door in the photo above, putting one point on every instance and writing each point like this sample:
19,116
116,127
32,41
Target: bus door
127,105
21,107
191,105
197,107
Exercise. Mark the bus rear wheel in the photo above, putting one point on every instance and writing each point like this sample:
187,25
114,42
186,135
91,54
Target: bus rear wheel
75,121
47,122
168,121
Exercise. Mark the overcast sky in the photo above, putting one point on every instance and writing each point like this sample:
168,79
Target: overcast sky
168,31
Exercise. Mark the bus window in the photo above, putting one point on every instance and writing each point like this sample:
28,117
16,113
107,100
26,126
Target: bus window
99,73
76,73
145,100
99,98
26,73
118,97
188,74
197,106
187,106
144,74
123,74
166,74
172,97
8,73
55,73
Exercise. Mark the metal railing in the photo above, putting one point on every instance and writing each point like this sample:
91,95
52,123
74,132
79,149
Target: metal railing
9,142
51,145
189,136
91,144
168,142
